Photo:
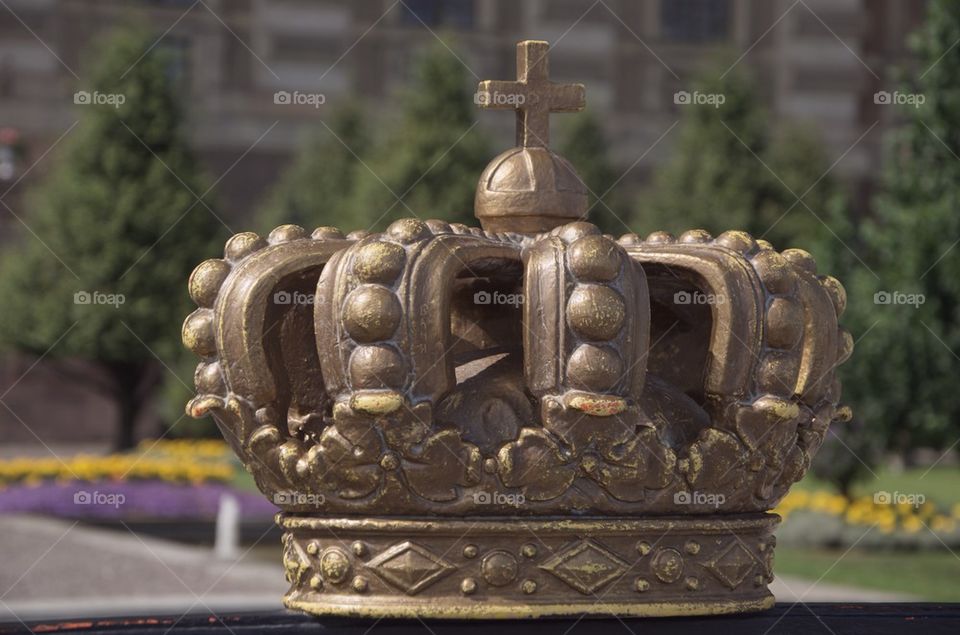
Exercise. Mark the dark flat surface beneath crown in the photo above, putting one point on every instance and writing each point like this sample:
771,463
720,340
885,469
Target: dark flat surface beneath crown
802,619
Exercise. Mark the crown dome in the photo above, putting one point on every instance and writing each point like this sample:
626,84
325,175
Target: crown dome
529,190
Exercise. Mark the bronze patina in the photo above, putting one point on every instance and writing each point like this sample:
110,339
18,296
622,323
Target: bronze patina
527,419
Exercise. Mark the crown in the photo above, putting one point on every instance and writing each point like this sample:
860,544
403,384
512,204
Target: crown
524,420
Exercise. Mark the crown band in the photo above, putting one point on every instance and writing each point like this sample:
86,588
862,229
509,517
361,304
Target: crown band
508,568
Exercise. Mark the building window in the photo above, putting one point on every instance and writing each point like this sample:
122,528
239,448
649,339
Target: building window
695,21
176,4
175,52
457,14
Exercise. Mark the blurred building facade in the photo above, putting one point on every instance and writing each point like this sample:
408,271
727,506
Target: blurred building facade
815,60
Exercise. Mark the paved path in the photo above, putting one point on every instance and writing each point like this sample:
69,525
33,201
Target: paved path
56,568
790,589
51,568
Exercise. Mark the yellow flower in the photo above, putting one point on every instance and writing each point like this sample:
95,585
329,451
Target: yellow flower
180,460
943,525
912,524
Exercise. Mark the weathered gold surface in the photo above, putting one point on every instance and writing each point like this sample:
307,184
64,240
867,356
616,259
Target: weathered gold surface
591,425
532,94
484,569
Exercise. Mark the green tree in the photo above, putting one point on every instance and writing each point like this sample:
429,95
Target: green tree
431,156
316,189
114,233
584,144
729,171
850,449
903,376
810,200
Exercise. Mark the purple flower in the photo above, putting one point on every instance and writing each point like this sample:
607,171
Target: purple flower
130,500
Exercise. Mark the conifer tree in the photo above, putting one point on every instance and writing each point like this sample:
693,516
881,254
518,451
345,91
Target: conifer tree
432,155
584,144
905,299
729,171
316,189
115,230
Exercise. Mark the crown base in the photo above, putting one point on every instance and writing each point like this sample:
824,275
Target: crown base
505,568
403,608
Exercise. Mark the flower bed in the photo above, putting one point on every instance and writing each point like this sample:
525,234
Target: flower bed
158,481
173,461
819,518
130,500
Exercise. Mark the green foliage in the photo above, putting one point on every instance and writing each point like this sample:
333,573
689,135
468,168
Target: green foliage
585,146
798,157
729,171
927,575
903,376
113,217
848,454
431,157
316,189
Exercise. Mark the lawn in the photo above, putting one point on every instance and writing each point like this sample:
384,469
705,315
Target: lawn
932,575
927,575
940,485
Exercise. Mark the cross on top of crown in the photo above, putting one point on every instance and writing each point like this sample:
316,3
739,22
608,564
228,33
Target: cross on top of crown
532,95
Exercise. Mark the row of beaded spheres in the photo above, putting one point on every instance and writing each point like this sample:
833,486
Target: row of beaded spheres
596,311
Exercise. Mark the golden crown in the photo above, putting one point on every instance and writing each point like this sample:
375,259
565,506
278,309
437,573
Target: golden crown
528,419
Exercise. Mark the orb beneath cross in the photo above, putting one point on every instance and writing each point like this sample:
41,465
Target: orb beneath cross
529,188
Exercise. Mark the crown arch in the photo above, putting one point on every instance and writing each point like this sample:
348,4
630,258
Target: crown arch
587,328
388,302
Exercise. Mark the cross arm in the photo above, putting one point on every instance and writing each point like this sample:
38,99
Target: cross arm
489,90
566,97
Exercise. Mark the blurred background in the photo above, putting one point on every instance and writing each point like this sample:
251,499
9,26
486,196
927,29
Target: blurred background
136,137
